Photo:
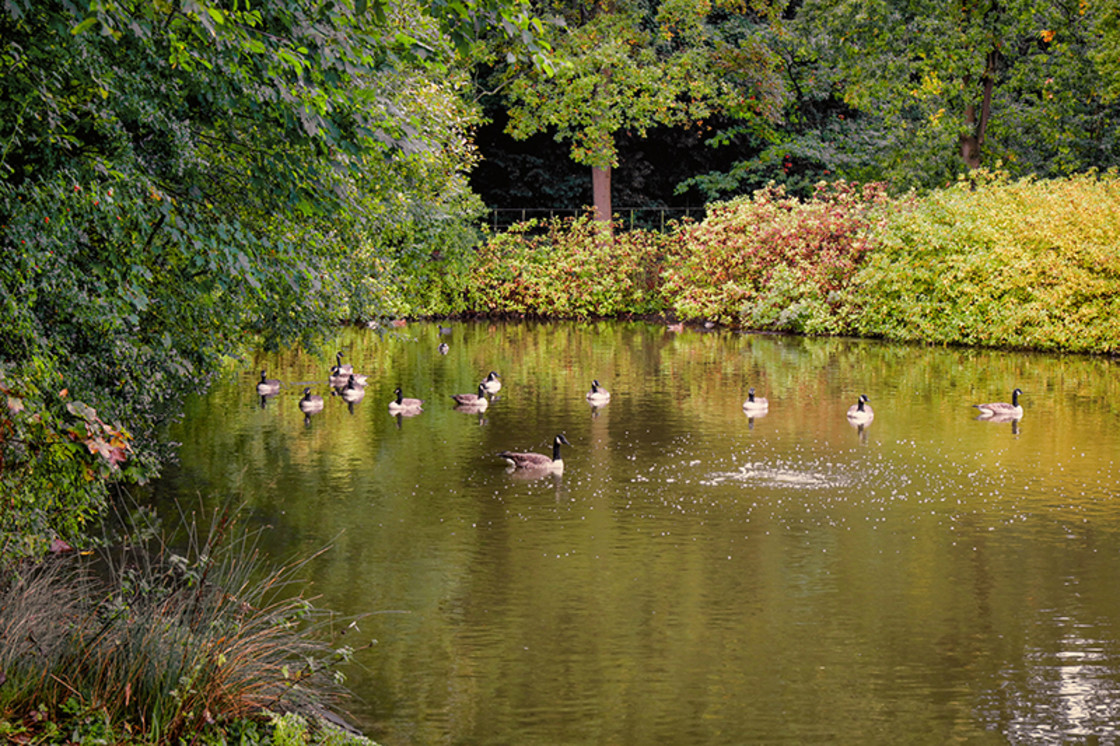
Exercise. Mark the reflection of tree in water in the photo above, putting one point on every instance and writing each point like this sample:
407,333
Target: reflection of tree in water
1068,692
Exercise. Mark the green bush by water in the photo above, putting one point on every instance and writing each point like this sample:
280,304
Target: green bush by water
1030,264
988,262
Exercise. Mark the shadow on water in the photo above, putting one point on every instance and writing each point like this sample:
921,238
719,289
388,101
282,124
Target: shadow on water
697,574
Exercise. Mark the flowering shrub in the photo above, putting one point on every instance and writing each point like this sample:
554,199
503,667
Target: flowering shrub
773,261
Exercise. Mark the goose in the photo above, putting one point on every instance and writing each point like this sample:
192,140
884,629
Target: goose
406,406
492,384
268,386
861,413
444,329
353,392
755,404
310,402
339,368
598,395
472,402
538,461
443,348
677,327
1002,409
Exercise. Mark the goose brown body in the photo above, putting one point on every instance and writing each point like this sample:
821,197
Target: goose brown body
492,384
538,461
475,402
403,404
598,394
310,402
861,413
1002,409
755,403
268,386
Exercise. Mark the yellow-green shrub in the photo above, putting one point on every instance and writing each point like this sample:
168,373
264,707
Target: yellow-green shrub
1033,264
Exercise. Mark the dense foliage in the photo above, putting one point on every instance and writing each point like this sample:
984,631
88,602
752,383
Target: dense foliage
568,267
772,261
992,262
180,181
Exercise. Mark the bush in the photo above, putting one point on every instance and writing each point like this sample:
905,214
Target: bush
772,261
569,268
989,262
157,644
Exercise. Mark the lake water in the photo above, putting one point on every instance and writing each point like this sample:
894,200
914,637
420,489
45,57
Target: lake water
695,576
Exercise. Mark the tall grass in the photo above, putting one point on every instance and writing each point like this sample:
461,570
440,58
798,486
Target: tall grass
160,644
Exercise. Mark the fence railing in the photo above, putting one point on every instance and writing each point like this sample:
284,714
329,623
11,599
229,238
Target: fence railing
649,218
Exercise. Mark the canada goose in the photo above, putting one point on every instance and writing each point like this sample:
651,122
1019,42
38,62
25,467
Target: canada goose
860,413
353,392
472,402
538,461
401,404
1002,409
339,368
443,348
598,395
268,386
310,403
444,329
755,404
492,384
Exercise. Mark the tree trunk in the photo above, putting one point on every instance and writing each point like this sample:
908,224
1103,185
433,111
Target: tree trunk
601,192
972,140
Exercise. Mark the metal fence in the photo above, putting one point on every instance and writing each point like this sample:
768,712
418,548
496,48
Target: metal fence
648,218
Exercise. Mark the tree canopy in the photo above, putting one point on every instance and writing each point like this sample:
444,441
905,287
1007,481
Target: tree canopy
179,178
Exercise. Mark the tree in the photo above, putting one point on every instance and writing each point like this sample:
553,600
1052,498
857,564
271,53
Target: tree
628,66
179,179
975,83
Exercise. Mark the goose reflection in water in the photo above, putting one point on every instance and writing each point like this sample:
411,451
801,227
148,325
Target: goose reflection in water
1003,419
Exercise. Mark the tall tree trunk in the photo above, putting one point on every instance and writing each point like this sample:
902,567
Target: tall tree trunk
972,140
601,192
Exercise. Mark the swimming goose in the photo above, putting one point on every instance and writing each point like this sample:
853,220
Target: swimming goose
1002,409
443,348
492,384
598,395
538,461
268,386
310,403
339,368
861,413
401,404
755,404
353,392
472,402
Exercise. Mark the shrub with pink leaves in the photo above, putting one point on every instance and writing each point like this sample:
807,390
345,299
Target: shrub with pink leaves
771,261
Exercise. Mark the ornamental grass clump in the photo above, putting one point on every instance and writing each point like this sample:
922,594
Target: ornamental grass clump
158,645
771,261
569,268
991,262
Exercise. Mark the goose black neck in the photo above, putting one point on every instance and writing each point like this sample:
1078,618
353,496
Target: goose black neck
556,450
